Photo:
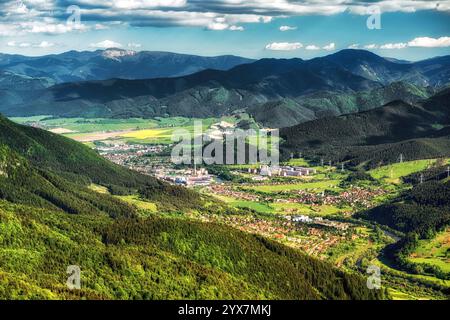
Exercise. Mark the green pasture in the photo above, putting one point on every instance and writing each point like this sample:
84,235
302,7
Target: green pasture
393,172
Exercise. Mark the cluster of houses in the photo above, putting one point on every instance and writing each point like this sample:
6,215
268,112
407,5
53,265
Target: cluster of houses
353,197
316,242
282,171
318,221
125,154
221,189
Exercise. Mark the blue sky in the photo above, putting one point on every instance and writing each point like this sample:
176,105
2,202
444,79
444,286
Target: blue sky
410,29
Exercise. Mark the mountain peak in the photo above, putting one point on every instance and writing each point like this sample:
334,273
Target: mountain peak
358,54
115,53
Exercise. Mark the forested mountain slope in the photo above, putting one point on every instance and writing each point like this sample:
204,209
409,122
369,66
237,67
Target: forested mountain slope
203,94
377,135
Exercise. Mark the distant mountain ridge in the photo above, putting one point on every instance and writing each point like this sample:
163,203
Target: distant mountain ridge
430,72
75,66
203,94
288,112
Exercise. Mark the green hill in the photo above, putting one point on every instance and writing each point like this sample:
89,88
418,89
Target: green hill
378,135
289,112
47,170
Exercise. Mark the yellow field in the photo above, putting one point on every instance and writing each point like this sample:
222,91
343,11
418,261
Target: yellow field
149,133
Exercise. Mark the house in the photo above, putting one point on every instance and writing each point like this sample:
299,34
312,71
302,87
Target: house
302,218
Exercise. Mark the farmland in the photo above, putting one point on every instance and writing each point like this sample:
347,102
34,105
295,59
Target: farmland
134,130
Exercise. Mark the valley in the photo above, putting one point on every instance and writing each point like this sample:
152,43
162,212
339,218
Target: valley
314,213
87,176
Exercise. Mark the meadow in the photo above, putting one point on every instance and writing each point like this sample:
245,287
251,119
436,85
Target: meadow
393,172
435,251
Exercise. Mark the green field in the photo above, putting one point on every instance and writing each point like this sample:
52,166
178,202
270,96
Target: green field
98,188
299,208
256,206
435,251
318,186
298,162
392,173
82,125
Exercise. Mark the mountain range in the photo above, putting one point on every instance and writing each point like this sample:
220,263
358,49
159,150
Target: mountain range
276,92
74,66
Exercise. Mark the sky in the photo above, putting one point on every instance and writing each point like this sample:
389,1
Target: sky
402,29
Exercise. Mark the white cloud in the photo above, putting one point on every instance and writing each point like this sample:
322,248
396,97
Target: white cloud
370,46
284,46
19,44
100,26
287,28
427,42
8,30
50,27
237,28
134,45
106,44
148,4
312,47
400,45
218,26
424,42
354,46
330,47
44,44
222,23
